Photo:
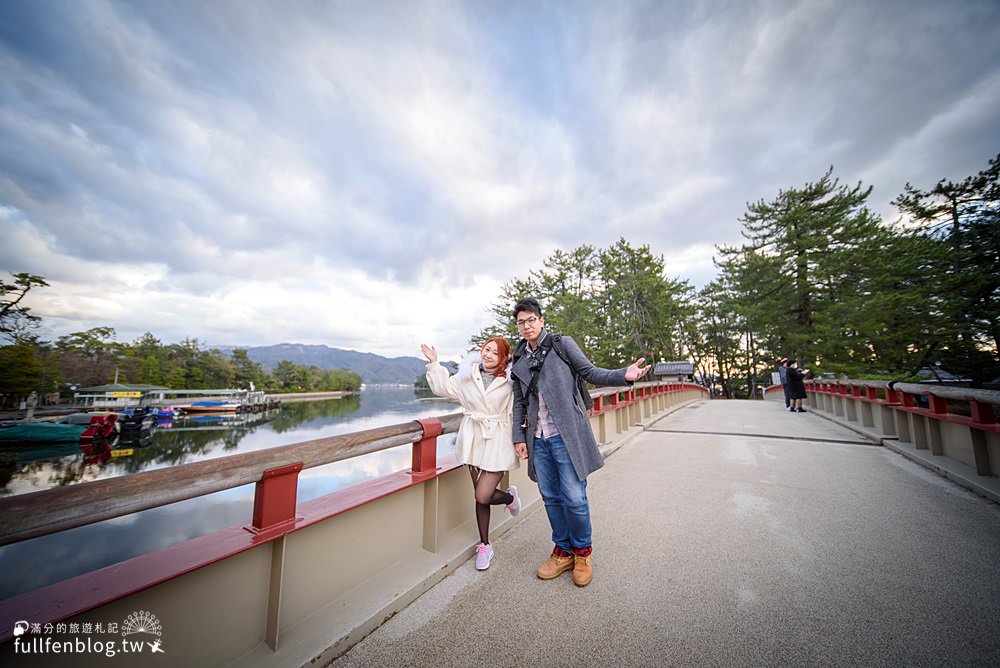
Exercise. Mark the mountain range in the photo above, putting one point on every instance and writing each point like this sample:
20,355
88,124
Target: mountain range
373,369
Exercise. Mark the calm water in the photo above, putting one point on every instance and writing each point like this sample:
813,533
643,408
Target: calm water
41,561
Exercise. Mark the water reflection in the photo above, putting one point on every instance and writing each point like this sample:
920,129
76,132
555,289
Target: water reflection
33,468
40,561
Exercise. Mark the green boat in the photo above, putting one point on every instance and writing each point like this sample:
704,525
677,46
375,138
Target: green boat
41,432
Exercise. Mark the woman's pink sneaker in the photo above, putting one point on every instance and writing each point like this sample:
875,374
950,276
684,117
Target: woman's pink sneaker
484,555
514,506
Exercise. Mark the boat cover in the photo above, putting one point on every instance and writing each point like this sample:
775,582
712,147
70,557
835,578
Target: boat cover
42,432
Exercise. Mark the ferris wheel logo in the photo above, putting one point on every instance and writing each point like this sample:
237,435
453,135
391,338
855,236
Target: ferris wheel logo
141,622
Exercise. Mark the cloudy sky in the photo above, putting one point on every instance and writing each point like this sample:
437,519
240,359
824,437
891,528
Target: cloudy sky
367,174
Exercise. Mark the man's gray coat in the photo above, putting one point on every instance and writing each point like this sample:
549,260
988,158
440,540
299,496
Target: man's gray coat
558,387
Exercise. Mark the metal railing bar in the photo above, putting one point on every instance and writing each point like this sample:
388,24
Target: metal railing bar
48,511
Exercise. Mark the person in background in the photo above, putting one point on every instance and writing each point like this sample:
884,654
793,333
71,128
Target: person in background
482,387
32,404
783,375
796,386
549,414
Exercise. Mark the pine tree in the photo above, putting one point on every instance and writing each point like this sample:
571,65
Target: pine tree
964,220
799,260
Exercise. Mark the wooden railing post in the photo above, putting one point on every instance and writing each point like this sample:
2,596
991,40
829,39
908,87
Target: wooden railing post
983,414
889,413
615,408
868,408
938,406
903,424
274,504
838,399
425,450
274,498
852,395
602,419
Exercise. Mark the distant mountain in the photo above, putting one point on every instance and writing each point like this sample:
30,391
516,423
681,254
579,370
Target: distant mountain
373,369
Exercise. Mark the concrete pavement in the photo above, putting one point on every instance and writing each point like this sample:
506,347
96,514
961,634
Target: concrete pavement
731,533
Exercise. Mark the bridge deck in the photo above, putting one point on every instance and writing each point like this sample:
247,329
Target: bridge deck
731,533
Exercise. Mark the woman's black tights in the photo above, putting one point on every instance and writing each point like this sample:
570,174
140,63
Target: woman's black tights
485,484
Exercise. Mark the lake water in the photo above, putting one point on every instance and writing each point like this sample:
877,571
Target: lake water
34,563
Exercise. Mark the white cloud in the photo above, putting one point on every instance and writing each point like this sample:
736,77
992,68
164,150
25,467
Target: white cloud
368,177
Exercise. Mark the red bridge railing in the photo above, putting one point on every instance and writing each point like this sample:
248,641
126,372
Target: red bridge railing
953,422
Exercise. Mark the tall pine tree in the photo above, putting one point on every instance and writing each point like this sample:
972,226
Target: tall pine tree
800,250
963,219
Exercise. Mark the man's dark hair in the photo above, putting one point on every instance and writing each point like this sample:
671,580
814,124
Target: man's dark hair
528,304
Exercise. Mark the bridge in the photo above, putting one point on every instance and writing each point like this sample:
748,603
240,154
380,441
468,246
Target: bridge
726,532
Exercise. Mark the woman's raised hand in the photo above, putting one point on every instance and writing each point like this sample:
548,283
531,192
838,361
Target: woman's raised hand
430,352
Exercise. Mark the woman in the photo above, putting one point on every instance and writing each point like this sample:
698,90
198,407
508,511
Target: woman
796,388
482,387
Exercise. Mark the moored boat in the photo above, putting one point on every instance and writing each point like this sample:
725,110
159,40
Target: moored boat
137,422
212,406
41,432
124,421
76,418
101,427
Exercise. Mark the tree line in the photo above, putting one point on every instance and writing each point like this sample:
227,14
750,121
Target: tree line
819,277
93,357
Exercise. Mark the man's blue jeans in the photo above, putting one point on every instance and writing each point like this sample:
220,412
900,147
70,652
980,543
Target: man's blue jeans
564,494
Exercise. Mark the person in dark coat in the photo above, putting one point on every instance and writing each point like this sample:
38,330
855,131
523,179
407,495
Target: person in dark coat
796,386
783,375
551,429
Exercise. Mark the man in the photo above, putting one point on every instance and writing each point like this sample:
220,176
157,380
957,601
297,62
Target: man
549,413
783,375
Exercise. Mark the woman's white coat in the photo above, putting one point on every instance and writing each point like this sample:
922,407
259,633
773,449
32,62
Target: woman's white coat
484,436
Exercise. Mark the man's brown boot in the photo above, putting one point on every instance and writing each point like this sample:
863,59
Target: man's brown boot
583,571
555,566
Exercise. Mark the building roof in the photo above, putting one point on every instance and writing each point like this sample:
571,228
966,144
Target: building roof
673,368
123,387
928,375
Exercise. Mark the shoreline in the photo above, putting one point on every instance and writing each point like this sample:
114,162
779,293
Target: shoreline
309,396
55,410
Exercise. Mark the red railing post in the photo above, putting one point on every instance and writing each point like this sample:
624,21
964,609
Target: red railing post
939,405
425,450
598,403
274,498
982,413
